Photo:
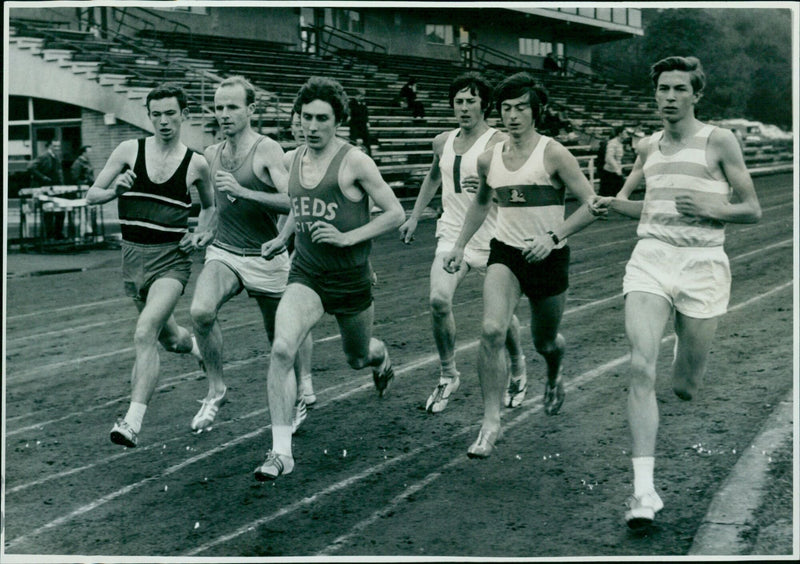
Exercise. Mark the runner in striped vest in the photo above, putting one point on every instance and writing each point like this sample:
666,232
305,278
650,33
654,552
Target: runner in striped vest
696,182
151,178
526,176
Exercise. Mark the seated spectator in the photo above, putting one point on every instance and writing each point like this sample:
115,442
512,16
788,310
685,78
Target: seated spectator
551,64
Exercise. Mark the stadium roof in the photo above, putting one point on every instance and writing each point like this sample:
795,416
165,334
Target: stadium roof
592,29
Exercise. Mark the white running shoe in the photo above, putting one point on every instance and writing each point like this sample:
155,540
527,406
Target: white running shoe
438,399
123,434
642,509
300,414
515,393
273,466
208,411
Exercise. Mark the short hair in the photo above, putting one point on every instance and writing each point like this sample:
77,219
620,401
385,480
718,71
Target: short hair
617,131
168,90
518,85
477,84
327,90
83,148
692,65
239,80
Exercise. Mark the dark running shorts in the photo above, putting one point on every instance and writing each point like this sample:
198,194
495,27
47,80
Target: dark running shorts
144,264
343,292
538,280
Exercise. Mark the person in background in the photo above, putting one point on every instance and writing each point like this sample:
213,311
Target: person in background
81,170
359,121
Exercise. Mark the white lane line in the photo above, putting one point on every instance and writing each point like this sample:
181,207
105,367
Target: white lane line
66,308
341,541
335,487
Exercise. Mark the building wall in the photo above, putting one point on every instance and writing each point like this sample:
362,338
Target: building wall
105,138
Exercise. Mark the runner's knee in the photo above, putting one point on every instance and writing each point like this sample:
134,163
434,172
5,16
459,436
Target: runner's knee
493,334
203,316
440,305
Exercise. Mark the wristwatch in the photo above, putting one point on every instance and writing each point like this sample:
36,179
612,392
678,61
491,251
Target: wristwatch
554,237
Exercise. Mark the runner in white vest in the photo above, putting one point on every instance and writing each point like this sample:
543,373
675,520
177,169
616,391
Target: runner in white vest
526,176
455,167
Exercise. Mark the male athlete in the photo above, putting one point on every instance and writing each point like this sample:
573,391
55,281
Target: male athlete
455,158
330,185
695,182
527,176
250,181
151,178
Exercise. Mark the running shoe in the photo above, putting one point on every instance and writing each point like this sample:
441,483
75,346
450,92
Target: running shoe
438,399
484,444
383,376
208,411
553,396
273,466
307,390
123,434
300,414
515,393
642,509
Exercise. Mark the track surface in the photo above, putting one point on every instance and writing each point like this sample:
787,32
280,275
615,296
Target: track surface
382,477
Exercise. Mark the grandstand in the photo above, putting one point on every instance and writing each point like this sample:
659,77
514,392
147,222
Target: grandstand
106,74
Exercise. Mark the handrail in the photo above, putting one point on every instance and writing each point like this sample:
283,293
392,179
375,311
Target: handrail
120,15
326,42
484,53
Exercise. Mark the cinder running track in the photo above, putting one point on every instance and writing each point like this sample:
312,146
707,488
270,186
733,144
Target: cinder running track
381,477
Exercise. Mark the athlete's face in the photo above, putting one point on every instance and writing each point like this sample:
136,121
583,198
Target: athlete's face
675,96
319,123
166,116
297,129
467,108
517,115
231,109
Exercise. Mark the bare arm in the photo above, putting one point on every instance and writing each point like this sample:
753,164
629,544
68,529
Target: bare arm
427,191
206,220
270,156
110,183
744,206
362,171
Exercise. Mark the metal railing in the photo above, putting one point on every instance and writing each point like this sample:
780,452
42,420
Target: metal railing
149,21
483,56
327,40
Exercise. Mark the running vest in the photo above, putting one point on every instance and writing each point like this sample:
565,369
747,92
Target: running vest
151,213
243,225
326,202
455,201
666,177
527,201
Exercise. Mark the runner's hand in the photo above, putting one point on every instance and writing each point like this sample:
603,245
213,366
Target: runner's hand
272,248
407,230
538,248
451,261
323,232
226,183
124,182
470,184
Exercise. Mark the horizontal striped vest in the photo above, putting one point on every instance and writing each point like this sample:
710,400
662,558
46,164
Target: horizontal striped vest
150,213
528,203
668,176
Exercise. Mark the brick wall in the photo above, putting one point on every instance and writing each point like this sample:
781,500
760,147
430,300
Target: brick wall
104,138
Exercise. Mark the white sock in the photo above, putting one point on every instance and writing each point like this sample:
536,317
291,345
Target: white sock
195,352
135,415
449,367
282,439
517,365
643,474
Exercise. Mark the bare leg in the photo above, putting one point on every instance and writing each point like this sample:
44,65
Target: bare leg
215,286
694,338
443,287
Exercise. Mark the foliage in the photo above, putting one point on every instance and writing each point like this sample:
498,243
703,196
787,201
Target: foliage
746,54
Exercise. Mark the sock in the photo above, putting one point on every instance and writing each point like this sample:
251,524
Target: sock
643,474
195,352
282,439
517,365
135,415
449,367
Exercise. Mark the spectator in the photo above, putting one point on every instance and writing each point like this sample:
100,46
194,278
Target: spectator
359,120
46,170
81,170
611,174
409,93
551,64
